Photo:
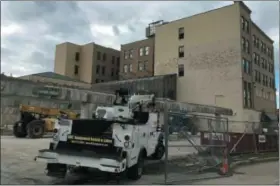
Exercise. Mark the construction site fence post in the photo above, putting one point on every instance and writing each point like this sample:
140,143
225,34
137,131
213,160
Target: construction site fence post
166,132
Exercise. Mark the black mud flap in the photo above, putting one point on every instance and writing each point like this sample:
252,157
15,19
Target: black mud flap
56,170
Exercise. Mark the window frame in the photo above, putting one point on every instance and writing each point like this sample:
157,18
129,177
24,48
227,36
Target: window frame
76,69
146,50
181,70
181,51
141,51
181,33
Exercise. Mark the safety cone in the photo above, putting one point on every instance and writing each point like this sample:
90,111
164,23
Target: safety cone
225,168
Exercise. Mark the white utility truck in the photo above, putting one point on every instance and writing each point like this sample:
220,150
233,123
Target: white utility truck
117,140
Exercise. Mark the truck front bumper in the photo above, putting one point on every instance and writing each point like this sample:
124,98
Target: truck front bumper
102,164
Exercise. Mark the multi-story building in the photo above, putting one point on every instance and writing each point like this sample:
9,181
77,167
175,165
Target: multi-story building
91,63
222,58
137,59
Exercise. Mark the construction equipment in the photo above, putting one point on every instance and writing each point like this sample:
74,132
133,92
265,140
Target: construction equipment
118,140
36,121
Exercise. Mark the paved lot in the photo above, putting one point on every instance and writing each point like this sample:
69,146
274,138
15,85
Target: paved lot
18,167
257,174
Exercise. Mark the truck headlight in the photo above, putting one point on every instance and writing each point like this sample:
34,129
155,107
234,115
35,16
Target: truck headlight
126,144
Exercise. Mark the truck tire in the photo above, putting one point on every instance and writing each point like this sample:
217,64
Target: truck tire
36,129
159,152
135,172
18,131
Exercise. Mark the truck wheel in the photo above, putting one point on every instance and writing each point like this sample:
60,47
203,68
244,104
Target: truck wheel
36,129
135,172
159,152
18,131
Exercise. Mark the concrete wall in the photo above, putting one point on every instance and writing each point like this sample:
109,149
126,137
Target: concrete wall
17,91
56,81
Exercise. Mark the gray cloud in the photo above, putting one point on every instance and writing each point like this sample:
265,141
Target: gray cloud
47,23
116,30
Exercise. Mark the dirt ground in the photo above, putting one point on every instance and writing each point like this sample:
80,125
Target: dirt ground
18,166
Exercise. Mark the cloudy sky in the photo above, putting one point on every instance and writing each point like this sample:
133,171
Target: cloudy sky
30,30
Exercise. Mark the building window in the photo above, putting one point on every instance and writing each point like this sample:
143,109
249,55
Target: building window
130,68
125,68
126,54
247,46
246,66
254,40
112,72
243,23
76,70
145,65
261,46
117,72
98,55
257,42
181,70
271,53
104,57
97,69
254,58
247,26
247,94
140,66
181,33
264,48
243,44
262,62
113,59
181,52
267,51
269,95
141,51
147,50
118,61
77,56
131,54
270,82
263,79
103,70
256,76
258,59
97,81
265,64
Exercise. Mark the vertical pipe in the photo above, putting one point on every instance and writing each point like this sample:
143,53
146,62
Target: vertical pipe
166,131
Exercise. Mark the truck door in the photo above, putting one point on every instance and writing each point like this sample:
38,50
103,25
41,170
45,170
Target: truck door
152,132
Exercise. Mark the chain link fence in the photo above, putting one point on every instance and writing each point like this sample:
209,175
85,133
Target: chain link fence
198,142
197,146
